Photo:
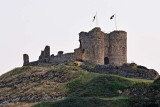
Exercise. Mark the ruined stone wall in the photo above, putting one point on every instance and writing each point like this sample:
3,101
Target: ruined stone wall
91,46
117,48
129,73
47,52
85,46
61,58
25,59
78,54
45,55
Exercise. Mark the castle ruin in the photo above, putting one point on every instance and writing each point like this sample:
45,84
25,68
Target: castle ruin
101,48
108,51
96,47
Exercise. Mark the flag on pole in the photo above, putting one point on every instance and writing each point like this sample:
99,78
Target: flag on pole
112,17
94,18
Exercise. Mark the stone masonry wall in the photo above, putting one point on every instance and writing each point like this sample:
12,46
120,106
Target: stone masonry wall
117,48
61,58
78,54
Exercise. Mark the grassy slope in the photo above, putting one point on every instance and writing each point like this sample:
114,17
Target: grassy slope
82,88
86,102
93,89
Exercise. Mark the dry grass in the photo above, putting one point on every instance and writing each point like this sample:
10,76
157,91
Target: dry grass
18,104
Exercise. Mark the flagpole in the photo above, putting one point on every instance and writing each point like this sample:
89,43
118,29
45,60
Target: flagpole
96,19
116,21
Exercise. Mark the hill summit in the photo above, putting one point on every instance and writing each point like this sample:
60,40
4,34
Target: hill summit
95,75
67,84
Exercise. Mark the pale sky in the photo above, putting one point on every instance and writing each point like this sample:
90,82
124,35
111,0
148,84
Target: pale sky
26,26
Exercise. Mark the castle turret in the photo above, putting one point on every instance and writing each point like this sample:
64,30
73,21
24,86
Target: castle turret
25,59
117,48
97,46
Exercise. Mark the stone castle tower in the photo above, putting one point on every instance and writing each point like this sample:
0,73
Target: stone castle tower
100,48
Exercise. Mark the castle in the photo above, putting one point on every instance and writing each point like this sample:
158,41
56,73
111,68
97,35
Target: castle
96,47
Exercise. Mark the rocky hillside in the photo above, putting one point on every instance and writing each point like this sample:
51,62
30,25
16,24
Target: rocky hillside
69,85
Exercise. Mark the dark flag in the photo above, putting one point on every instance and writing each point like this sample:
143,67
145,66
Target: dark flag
111,17
94,18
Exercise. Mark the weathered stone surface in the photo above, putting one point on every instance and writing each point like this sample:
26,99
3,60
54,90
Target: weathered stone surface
117,51
91,47
25,59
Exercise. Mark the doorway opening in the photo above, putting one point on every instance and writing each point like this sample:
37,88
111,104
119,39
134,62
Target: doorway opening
106,60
